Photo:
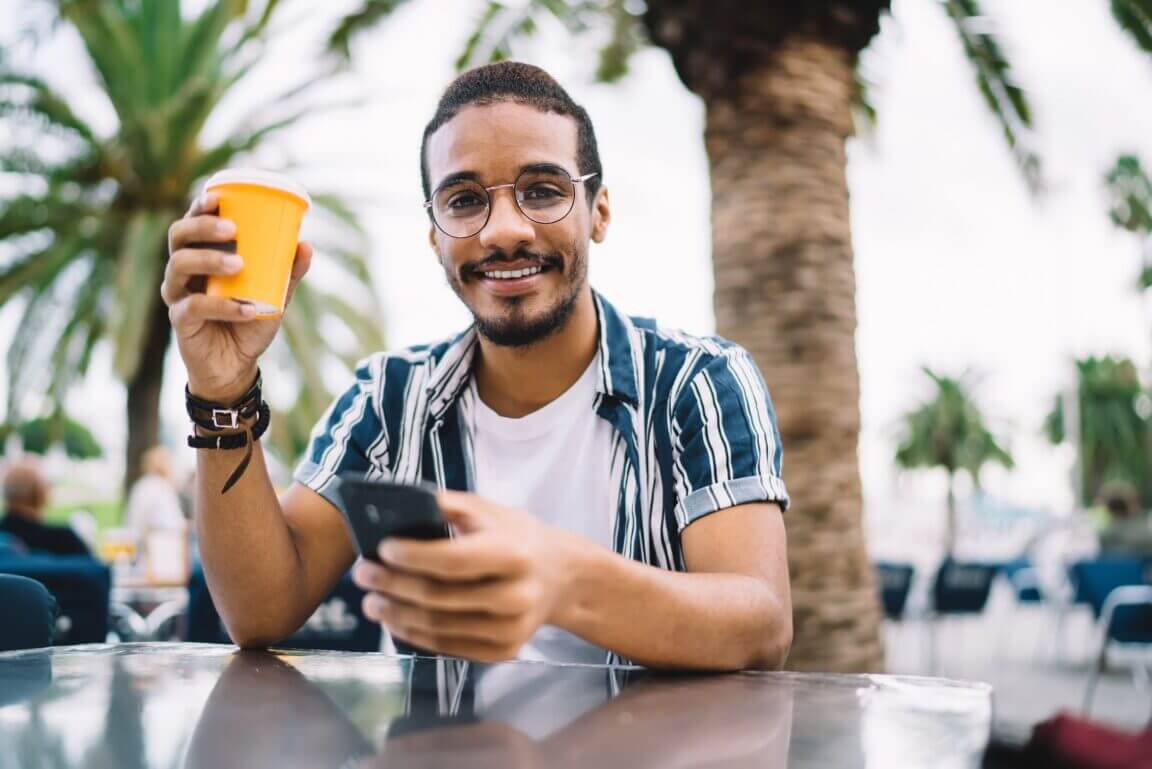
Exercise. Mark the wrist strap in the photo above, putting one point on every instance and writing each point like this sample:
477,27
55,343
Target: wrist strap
221,418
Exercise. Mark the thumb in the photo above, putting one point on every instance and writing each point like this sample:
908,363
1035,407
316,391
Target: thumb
465,512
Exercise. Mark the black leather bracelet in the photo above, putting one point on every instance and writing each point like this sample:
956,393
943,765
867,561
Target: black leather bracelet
223,416
234,440
247,439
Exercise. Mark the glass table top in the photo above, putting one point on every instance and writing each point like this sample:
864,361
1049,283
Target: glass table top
197,705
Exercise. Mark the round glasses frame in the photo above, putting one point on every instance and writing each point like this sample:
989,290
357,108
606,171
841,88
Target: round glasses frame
516,197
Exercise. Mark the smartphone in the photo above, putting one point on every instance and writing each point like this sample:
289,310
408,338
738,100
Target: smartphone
375,510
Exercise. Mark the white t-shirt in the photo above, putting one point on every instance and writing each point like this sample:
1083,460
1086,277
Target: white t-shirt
556,464
153,504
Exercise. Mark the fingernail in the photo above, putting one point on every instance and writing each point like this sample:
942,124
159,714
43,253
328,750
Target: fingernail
225,227
232,263
247,309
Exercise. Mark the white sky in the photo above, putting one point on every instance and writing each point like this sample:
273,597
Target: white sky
957,268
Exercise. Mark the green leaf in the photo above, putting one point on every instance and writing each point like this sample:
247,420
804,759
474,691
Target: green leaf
139,266
997,84
1135,18
370,13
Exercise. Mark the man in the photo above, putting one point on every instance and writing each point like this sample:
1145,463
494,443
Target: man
611,486
1129,530
25,499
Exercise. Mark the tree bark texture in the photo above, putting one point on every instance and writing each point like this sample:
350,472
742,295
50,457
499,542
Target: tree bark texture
144,393
785,289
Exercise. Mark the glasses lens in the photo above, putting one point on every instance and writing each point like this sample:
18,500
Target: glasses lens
545,196
460,209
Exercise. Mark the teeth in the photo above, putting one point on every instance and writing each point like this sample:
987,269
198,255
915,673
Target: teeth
512,274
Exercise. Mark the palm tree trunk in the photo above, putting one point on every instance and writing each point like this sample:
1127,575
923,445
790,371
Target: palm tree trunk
785,290
144,393
950,525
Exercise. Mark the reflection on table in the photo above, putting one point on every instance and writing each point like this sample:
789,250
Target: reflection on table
139,705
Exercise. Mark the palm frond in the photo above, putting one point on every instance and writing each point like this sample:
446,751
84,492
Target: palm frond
948,431
139,265
994,77
369,14
39,269
1130,191
498,27
40,100
627,36
1135,18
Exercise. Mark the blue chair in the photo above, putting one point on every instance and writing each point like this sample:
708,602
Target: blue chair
1021,575
962,588
81,587
29,614
1117,590
894,582
336,624
959,589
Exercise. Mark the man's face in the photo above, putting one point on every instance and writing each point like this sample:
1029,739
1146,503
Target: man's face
494,144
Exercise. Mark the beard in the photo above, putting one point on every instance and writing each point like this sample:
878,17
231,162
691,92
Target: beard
515,327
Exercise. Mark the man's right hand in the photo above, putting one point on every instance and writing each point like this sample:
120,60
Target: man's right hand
219,339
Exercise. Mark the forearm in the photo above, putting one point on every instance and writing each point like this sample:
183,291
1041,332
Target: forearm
250,558
660,618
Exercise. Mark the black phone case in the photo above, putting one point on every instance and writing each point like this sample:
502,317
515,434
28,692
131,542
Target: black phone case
375,510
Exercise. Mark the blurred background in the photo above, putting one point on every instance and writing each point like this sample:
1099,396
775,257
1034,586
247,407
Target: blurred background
927,219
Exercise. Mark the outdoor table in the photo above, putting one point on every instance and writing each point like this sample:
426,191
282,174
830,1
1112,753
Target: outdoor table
203,705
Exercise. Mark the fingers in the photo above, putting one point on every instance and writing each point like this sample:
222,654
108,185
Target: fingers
189,263
467,512
201,229
475,636
494,597
196,309
205,203
468,558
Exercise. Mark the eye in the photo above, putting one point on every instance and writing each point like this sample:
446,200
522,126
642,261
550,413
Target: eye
543,191
463,200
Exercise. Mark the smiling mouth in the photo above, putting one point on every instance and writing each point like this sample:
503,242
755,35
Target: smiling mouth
524,272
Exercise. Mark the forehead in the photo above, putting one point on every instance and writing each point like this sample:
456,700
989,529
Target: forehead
494,141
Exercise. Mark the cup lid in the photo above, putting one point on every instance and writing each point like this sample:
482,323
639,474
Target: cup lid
259,178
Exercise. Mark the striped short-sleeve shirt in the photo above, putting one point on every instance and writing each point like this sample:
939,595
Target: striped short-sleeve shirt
694,429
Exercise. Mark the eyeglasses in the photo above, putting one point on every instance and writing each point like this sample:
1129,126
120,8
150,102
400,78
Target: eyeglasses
460,208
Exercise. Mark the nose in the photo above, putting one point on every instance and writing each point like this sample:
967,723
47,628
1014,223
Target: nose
508,228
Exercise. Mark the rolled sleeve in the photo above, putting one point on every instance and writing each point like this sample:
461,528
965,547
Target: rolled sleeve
344,441
727,450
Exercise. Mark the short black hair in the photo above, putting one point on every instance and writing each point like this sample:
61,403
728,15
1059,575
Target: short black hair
514,81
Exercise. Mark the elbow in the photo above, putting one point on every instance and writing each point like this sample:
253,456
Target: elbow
773,642
256,634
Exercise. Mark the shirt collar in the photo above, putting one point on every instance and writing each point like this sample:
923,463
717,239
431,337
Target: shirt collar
620,352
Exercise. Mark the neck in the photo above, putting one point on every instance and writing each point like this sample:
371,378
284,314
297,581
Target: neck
515,381
22,511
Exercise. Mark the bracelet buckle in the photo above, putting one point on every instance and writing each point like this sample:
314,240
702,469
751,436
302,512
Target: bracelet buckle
232,415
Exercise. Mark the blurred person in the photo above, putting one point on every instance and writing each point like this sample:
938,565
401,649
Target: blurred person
26,496
1128,530
614,487
156,519
153,500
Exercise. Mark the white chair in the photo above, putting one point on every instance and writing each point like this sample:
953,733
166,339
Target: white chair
1138,639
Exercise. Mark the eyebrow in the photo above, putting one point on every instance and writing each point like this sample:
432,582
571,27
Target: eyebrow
472,176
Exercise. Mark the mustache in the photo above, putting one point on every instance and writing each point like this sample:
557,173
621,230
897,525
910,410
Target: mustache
553,260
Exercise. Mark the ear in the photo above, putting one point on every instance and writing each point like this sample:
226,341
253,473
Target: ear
601,215
432,240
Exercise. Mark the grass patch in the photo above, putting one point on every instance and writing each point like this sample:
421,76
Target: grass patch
107,513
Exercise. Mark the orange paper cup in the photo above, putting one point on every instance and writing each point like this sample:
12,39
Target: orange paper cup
267,209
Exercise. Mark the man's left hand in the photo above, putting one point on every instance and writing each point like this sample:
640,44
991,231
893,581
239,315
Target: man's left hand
481,595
